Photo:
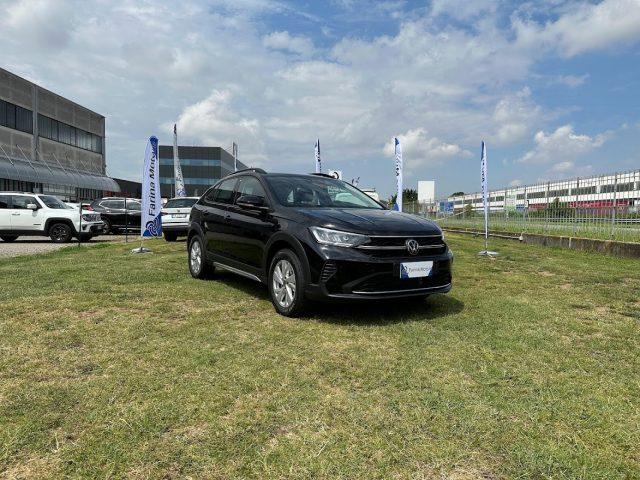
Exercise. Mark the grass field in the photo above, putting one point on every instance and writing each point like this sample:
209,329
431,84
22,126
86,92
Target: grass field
114,365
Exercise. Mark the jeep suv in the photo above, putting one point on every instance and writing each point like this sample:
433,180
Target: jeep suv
36,214
311,237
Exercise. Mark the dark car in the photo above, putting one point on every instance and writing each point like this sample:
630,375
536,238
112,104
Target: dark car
115,216
309,237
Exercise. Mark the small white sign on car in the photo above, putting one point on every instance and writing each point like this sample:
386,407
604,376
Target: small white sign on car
415,269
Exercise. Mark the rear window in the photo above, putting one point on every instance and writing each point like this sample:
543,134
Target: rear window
180,203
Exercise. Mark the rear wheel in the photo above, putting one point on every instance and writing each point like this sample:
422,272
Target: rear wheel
287,283
60,232
170,236
198,265
8,238
108,228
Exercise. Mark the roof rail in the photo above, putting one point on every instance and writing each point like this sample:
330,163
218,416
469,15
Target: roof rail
257,170
326,175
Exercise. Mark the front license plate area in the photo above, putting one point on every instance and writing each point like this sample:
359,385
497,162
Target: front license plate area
179,215
415,269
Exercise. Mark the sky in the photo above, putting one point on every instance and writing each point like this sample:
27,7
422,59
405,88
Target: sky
552,87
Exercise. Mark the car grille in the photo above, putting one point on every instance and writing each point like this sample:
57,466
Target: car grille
384,247
91,217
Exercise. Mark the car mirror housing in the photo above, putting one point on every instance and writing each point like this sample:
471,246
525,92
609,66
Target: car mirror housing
32,206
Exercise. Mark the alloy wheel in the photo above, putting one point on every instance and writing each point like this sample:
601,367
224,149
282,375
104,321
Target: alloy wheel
284,283
195,258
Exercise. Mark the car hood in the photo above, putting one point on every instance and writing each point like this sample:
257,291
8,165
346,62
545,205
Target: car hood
370,221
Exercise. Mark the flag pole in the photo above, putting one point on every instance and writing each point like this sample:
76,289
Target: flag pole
485,202
150,215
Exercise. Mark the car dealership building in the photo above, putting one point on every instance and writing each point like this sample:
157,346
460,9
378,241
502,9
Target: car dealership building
201,167
49,144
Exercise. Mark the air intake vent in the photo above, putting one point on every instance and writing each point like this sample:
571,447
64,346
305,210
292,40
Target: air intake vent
328,271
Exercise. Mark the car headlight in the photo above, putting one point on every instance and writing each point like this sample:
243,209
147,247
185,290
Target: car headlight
326,236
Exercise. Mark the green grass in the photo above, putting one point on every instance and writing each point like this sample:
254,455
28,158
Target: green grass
114,365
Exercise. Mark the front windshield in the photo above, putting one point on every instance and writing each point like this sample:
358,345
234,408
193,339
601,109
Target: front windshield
294,191
53,202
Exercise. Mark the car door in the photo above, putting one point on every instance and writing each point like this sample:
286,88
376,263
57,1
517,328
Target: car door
215,218
5,213
133,211
114,212
250,229
22,218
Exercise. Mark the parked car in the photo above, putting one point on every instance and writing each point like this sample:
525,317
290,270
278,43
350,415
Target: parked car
35,214
115,216
312,237
175,217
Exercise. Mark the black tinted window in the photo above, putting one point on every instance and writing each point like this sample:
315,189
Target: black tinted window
224,191
131,205
21,201
4,201
113,204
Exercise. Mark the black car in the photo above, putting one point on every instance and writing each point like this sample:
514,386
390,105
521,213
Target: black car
310,237
118,213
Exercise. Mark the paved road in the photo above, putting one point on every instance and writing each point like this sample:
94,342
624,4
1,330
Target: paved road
35,245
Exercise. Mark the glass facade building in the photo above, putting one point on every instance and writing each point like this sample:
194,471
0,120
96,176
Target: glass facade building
49,144
201,168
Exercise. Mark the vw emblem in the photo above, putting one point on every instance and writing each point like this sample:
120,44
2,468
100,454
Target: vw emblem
412,246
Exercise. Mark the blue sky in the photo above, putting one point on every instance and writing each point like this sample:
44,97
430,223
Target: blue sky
552,86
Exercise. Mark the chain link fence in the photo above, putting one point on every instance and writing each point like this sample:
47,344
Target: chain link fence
605,207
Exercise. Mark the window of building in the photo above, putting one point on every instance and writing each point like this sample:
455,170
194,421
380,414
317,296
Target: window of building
24,120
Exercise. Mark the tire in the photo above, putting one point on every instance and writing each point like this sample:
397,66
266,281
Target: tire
287,284
170,236
196,259
60,233
9,238
108,228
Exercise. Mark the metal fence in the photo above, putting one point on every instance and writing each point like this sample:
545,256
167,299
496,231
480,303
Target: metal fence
605,207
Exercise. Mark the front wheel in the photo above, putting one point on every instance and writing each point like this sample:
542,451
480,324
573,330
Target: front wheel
9,238
198,265
60,233
287,283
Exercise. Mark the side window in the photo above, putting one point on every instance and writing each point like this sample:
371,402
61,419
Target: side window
21,201
224,191
131,205
4,201
209,196
251,186
113,204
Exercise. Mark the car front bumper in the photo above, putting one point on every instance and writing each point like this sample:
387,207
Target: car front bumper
348,274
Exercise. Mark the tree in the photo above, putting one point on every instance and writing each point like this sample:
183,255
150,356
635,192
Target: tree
468,210
457,194
409,195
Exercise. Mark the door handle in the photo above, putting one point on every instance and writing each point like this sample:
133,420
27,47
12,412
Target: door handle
15,214
227,217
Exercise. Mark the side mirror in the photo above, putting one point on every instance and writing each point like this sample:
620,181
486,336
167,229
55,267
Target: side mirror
252,202
32,206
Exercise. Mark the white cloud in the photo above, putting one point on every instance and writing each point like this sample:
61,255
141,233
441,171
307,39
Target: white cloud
418,149
516,183
284,41
585,27
571,81
514,117
562,147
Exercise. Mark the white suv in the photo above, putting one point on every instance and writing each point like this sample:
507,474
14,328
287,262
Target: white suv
36,214
175,217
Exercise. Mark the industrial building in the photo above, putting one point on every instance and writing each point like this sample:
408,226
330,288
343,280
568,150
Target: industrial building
621,190
201,167
49,144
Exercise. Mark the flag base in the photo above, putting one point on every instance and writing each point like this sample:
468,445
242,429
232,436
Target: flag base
487,253
142,250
